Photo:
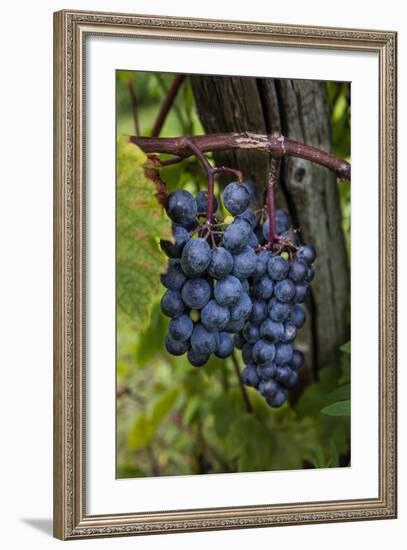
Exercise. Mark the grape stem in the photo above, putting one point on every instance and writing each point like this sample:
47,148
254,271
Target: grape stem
276,145
271,203
210,174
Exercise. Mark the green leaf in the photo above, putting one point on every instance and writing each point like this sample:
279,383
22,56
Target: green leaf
192,410
127,470
345,348
225,411
163,406
340,394
141,222
125,76
152,341
141,433
249,444
145,426
314,396
340,408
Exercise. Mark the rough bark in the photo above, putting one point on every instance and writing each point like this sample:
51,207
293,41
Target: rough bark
299,110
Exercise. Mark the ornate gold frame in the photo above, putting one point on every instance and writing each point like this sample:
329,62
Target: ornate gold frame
70,518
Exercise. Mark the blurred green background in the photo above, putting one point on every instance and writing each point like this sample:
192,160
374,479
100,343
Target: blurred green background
173,419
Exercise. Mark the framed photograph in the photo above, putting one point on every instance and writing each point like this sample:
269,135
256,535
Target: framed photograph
225,275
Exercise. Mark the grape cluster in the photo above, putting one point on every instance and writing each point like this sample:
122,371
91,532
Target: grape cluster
207,291
227,288
266,339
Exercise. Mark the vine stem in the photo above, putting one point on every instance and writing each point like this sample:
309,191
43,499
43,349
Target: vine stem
245,395
134,107
246,398
167,104
210,174
276,145
271,205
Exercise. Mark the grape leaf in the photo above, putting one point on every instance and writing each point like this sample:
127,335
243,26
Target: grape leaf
125,76
140,224
146,425
141,433
248,444
345,348
163,406
342,393
340,408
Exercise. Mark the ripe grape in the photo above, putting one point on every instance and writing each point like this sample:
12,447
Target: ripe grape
284,354
290,332
259,311
249,216
242,308
196,293
267,372
204,341
197,359
251,333
278,311
271,330
277,399
174,278
228,290
181,237
250,376
180,329
300,292
175,347
297,359
251,188
244,264
238,340
263,352
236,198
235,326
172,304
214,317
297,316
306,252
284,290
221,263
263,288
181,206
277,268
269,387
225,346
247,353
298,271
196,257
237,236
261,264
202,202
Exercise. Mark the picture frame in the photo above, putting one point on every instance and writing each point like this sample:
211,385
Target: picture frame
71,517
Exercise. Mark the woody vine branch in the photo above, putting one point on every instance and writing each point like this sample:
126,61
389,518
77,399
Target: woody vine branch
276,145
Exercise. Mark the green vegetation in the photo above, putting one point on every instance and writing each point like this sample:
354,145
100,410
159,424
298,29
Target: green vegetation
173,419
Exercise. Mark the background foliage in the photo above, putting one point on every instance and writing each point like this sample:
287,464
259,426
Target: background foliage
173,419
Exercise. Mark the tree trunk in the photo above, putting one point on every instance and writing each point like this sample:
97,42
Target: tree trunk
299,109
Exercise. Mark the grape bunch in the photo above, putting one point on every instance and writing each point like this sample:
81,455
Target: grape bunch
228,286
207,289
266,339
